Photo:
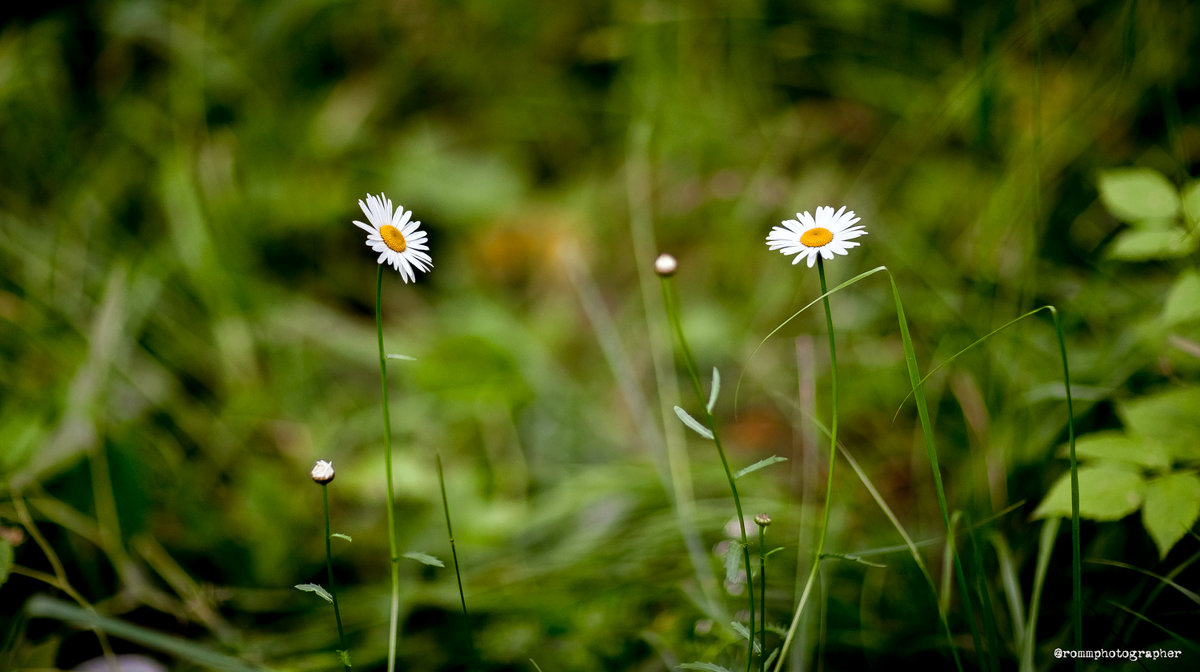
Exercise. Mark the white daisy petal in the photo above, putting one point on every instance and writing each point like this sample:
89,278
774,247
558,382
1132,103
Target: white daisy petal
823,235
395,236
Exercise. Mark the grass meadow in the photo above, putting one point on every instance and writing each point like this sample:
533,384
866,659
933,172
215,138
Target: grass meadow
988,412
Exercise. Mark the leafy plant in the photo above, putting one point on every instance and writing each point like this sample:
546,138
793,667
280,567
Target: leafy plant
1162,221
1150,466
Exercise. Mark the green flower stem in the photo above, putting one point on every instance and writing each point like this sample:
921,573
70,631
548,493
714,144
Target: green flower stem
454,554
344,652
812,574
762,597
673,315
387,460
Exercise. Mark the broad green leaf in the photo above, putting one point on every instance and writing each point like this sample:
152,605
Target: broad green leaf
1169,418
1191,203
1133,194
693,424
6,560
1183,301
318,590
425,559
1116,446
716,389
733,561
1171,508
339,535
1106,492
1144,245
703,667
774,459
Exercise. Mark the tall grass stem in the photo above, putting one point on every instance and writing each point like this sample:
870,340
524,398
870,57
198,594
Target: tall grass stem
1076,558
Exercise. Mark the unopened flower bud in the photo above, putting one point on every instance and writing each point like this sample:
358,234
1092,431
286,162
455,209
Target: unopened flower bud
665,265
322,472
762,520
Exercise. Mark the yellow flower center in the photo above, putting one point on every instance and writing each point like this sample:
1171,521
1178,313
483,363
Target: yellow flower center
395,240
816,237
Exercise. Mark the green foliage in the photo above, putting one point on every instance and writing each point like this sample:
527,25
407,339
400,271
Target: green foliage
693,424
183,296
774,459
317,590
1151,204
1138,195
424,559
1151,466
1106,492
1183,300
1171,509
6,560
703,667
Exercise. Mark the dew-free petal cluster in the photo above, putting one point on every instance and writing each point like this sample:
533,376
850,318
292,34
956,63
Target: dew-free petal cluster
322,472
826,234
398,239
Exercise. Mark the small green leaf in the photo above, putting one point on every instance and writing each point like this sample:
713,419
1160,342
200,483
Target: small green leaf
6,560
1145,245
314,588
1183,301
1171,509
693,424
744,633
733,562
773,551
339,535
774,459
702,667
1133,194
1116,446
716,389
402,357
344,656
1106,492
1168,418
425,559
1191,203
853,558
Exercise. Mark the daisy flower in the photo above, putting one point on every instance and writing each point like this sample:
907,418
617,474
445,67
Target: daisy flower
826,234
399,241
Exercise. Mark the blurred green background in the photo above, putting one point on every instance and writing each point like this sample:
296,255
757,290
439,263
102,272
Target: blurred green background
186,312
